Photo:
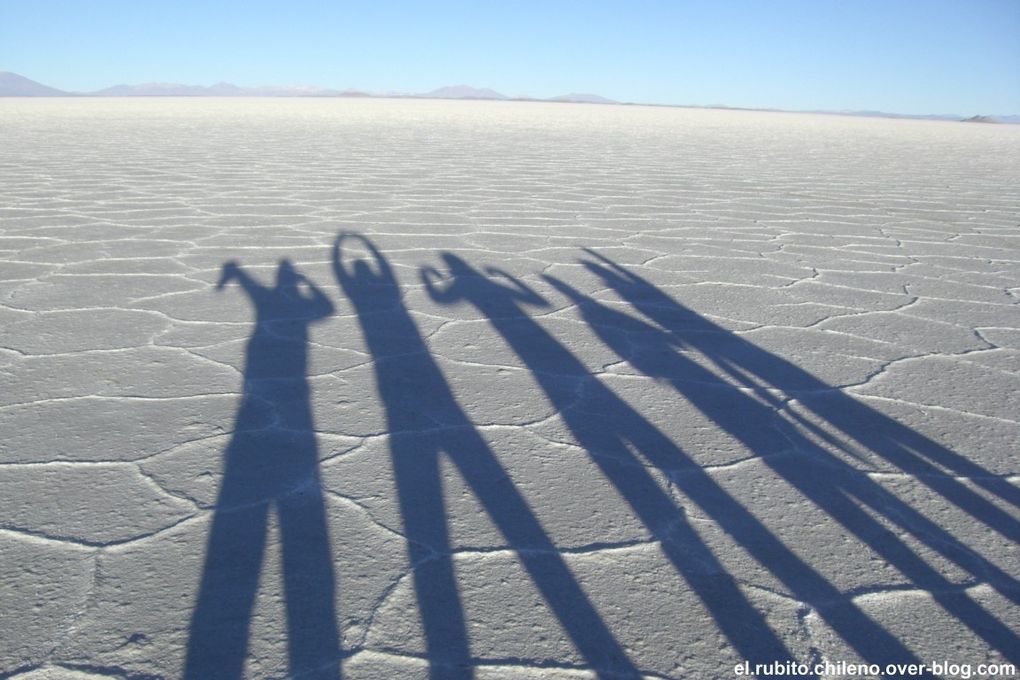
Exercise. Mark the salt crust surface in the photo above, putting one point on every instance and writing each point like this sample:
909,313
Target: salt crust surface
696,386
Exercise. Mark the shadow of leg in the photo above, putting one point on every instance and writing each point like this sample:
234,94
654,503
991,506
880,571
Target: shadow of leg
309,586
222,617
419,490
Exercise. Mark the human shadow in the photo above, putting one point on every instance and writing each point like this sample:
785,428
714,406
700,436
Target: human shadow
620,441
270,462
935,465
843,492
425,422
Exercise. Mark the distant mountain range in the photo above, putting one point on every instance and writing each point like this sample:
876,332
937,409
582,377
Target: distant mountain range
932,116
14,85
217,90
463,92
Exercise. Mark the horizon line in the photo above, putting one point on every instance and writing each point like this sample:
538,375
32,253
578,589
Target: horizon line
318,91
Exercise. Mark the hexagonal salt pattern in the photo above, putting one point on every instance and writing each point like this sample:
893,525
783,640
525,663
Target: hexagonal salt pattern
585,391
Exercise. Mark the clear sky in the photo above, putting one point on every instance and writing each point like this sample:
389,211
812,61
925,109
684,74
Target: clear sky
903,56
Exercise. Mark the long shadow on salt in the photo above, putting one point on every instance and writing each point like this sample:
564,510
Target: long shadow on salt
610,430
425,422
270,463
833,485
608,427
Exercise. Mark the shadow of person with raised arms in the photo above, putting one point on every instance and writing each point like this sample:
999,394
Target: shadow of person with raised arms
935,465
833,485
425,422
619,440
270,462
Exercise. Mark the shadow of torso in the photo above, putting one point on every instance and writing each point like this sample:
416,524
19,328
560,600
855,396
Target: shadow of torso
271,461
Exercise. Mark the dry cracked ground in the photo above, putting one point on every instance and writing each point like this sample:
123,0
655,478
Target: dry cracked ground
400,389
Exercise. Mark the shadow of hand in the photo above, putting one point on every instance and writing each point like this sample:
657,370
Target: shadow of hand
229,272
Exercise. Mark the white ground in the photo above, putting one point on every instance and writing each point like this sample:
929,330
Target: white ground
802,435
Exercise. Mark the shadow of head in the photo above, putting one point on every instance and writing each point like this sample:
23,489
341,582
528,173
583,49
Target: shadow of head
364,274
360,252
490,288
287,277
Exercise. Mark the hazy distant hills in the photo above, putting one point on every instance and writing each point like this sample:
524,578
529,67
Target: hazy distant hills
14,85
883,114
966,119
158,90
468,92
218,90
581,98
463,92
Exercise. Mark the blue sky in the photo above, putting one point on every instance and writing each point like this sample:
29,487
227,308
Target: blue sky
904,56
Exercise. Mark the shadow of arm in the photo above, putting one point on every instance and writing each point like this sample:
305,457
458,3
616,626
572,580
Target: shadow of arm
231,271
517,288
362,275
441,289
319,304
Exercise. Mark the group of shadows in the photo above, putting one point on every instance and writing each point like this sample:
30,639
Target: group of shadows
267,467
